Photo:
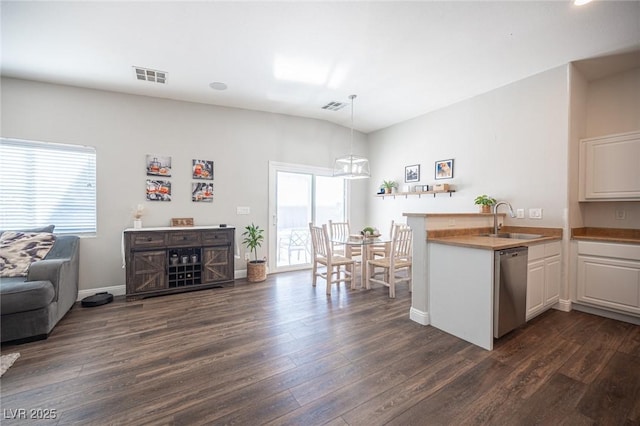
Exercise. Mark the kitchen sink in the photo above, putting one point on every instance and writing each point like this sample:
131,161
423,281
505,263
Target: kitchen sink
514,235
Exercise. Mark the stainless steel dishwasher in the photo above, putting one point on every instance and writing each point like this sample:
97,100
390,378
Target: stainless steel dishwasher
510,290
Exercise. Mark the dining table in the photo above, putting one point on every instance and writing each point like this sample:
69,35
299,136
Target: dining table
369,245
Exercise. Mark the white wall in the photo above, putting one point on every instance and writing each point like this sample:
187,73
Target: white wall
125,128
613,106
577,130
510,143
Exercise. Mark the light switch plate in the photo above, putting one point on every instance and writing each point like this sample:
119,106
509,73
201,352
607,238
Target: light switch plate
520,213
535,213
243,210
621,214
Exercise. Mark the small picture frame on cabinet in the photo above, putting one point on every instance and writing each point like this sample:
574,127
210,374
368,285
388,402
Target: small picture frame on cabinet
181,221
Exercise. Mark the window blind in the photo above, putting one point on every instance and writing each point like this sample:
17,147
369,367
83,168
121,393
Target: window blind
45,183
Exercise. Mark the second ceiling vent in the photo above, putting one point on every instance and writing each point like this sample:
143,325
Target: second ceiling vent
147,74
335,106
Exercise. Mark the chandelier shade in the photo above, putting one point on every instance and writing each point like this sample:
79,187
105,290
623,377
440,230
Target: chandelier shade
351,166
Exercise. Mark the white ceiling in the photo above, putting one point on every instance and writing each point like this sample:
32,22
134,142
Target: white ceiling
402,59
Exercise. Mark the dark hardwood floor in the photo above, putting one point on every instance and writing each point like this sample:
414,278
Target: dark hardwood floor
282,352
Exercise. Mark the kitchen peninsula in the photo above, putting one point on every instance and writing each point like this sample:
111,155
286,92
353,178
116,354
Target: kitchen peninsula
454,268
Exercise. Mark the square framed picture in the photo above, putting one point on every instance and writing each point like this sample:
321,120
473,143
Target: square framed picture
412,173
444,169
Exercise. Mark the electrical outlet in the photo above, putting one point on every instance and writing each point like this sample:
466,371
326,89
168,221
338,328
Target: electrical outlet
621,214
452,222
243,210
520,213
246,256
535,213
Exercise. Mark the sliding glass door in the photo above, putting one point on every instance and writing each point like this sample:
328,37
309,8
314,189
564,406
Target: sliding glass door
299,195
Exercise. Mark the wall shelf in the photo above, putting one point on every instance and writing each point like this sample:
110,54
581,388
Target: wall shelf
418,193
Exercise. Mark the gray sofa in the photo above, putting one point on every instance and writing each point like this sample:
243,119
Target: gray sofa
31,306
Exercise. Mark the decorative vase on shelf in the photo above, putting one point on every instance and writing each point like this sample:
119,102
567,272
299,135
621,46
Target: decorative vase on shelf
137,223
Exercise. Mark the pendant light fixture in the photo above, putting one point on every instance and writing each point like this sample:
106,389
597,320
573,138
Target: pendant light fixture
351,166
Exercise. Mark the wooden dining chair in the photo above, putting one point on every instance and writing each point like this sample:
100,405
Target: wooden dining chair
337,265
342,231
383,249
398,261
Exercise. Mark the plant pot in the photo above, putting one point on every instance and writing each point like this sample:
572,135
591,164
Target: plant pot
256,271
485,209
387,190
137,224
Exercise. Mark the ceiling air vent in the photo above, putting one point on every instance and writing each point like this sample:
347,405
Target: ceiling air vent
335,106
146,74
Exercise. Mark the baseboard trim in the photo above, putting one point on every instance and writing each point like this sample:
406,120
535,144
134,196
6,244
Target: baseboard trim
563,305
419,316
607,314
116,290
121,290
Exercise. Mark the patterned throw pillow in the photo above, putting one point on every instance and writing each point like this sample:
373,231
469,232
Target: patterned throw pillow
18,250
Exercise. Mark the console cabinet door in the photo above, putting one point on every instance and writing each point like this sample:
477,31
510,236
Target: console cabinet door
148,272
217,264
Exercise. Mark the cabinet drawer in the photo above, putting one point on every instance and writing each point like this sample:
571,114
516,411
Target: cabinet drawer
536,252
216,238
181,239
143,240
552,249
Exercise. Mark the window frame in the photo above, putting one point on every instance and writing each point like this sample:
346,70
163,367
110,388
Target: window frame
47,170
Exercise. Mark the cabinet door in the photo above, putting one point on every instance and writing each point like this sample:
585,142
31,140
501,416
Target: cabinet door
535,288
609,167
552,269
217,264
609,282
147,272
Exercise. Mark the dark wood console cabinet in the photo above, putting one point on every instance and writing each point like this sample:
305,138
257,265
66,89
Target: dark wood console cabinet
172,260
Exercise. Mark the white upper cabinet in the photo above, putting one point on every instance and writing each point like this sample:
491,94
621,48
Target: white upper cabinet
610,167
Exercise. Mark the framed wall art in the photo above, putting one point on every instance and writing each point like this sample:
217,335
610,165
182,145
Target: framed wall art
444,169
158,190
158,165
202,192
412,173
202,169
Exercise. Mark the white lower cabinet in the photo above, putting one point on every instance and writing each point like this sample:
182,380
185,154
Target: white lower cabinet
609,276
543,277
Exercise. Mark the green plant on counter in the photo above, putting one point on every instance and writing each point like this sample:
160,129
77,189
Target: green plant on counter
485,200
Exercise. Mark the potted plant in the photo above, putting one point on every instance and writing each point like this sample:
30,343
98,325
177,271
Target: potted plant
485,202
389,185
256,269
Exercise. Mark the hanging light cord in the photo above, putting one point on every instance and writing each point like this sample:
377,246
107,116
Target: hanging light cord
352,97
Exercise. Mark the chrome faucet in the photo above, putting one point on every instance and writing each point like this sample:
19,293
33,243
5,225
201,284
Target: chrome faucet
495,214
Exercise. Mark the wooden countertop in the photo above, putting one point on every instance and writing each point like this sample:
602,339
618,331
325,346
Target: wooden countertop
471,237
611,235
